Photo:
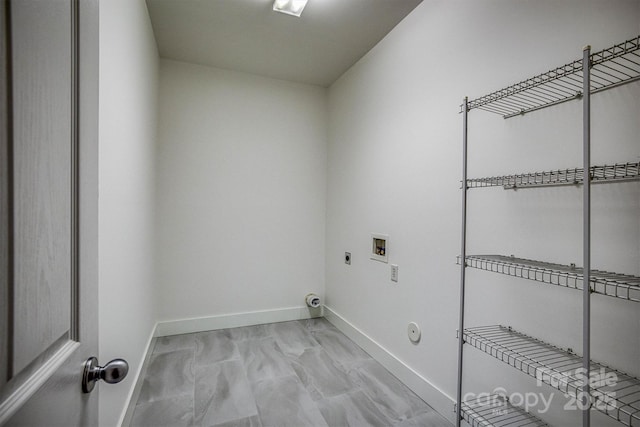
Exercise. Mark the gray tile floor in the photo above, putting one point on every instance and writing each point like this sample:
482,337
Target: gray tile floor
299,373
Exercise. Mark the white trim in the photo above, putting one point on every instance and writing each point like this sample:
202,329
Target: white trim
434,396
134,392
224,321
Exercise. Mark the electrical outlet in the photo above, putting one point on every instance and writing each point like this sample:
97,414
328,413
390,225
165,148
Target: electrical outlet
394,272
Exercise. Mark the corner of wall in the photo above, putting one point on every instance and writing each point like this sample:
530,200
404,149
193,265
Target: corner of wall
129,65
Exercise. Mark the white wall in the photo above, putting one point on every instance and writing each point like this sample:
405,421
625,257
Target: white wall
128,98
394,167
241,192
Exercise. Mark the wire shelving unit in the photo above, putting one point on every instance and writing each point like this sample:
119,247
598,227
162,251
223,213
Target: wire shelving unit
606,173
496,410
611,67
578,80
614,393
616,285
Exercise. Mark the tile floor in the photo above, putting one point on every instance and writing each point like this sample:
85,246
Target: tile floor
299,373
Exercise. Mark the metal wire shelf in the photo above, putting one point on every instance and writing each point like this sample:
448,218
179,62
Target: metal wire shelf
605,173
616,285
613,393
495,410
611,67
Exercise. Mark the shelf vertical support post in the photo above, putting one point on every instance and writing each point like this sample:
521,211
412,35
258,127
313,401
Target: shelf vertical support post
586,241
463,261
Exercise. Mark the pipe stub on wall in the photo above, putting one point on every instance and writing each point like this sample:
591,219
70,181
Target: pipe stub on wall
312,300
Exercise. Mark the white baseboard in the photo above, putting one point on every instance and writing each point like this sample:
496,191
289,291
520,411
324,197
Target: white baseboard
134,392
428,392
211,323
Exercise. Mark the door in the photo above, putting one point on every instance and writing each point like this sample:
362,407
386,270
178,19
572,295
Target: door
48,210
